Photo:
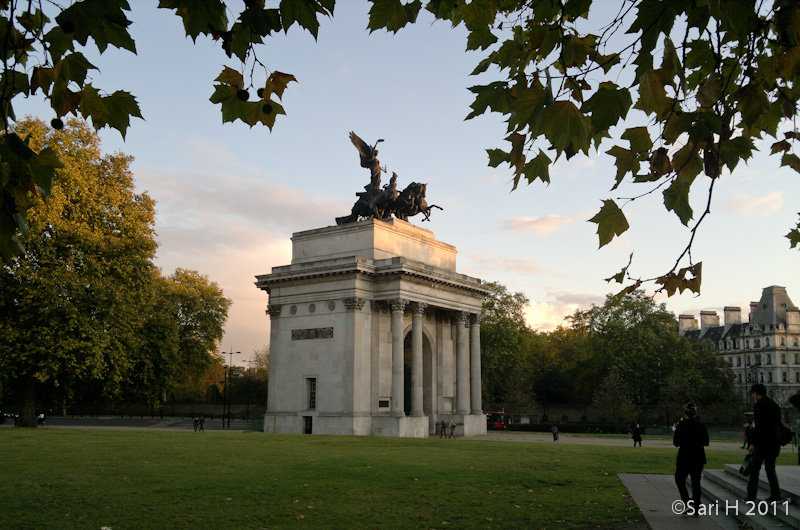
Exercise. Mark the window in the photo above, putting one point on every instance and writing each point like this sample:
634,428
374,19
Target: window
761,376
747,344
797,377
783,358
766,341
738,361
307,424
756,343
740,377
785,377
783,341
311,385
769,377
769,359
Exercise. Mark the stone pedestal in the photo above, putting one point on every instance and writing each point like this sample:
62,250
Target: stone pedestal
373,332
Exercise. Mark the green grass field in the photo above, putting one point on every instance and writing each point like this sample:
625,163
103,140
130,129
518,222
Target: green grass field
54,479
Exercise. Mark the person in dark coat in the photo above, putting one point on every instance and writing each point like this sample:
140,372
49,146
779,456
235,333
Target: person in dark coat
763,443
691,438
636,434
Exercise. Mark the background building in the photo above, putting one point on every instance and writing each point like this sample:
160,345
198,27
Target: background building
763,349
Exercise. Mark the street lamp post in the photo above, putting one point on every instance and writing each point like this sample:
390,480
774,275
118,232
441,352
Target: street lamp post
249,382
230,385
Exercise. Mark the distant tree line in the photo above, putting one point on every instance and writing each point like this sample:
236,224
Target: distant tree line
623,359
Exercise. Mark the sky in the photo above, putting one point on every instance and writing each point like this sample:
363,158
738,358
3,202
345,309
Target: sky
230,197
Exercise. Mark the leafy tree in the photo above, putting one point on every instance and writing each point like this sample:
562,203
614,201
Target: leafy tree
612,400
85,315
690,84
507,347
71,310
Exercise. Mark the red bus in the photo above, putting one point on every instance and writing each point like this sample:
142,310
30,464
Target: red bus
495,420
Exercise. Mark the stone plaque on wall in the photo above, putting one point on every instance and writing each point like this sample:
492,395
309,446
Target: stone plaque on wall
315,333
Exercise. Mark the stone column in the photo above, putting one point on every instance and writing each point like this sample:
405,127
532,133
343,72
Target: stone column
398,305
274,312
416,358
475,363
462,377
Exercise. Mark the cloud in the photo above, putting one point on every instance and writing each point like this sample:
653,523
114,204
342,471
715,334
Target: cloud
483,266
549,314
763,206
540,225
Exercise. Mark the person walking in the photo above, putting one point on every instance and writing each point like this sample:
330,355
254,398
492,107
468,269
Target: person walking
202,423
744,442
452,427
636,434
554,430
443,433
763,443
691,439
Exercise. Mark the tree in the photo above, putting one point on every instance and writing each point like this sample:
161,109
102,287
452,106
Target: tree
85,315
612,400
507,345
71,310
728,73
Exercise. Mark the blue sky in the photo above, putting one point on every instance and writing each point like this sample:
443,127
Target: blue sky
230,197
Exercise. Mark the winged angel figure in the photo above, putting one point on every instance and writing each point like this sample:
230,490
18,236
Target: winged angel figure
377,203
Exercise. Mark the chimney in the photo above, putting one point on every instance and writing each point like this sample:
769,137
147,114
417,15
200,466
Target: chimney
733,315
708,319
753,307
686,323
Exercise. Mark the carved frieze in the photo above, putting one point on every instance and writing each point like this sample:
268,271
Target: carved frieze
354,303
314,333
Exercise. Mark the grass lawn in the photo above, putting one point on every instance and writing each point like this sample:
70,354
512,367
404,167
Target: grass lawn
54,479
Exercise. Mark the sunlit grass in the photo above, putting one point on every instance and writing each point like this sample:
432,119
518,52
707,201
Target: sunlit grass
172,480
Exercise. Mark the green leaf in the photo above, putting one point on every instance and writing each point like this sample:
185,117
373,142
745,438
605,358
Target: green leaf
734,150
791,160
392,15
620,276
639,137
304,12
232,77
497,157
678,282
536,169
794,236
102,20
753,103
627,162
566,124
610,222
652,95
199,16
607,106
676,198
495,96
276,84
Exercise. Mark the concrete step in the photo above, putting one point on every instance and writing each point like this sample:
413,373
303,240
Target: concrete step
729,492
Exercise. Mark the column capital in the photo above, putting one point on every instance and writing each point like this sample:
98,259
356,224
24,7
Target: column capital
476,319
418,308
397,304
461,317
274,310
354,303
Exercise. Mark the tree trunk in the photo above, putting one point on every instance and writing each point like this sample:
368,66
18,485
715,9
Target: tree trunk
27,416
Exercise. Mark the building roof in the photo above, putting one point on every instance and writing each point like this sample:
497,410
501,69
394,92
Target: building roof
771,309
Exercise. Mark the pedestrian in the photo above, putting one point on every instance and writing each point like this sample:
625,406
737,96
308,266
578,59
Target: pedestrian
452,427
763,443
40,418
795,401
202,423
554,430
196,423
691,438
443,432
746,428
636,434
